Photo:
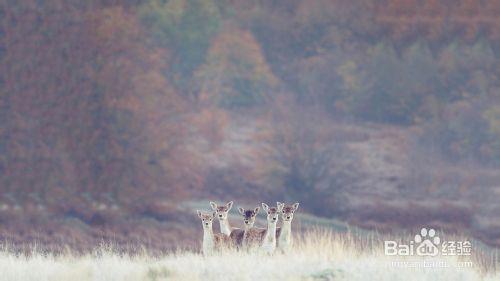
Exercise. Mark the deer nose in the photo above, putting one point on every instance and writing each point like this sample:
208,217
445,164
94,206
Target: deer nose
220,216
274,219
206,223
287,218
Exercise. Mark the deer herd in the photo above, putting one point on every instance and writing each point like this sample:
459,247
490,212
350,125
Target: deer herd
266,240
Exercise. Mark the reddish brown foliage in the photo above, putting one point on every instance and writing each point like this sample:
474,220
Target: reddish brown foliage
111,112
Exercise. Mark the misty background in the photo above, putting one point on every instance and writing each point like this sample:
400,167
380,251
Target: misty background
117,117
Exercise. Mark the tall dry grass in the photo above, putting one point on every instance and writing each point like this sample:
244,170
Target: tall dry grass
316,255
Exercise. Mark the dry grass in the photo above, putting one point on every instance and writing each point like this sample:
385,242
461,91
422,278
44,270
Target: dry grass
317,255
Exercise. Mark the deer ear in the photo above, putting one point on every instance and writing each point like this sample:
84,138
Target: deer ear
256,210
295,206
265,207
199,213
280,206
229,205
241,210
213,205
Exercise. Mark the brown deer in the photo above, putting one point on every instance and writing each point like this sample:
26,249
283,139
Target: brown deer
284,234
266,238
221,214
240,236
212,241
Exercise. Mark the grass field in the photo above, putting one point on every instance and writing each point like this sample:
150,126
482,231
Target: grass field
317,255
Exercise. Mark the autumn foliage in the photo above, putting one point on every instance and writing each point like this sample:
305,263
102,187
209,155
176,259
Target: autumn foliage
114,110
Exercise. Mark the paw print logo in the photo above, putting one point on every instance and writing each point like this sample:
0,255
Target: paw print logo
428,242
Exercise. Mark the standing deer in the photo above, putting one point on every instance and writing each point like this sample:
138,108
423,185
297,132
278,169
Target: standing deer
240,237
212,241
266,237
284,234
221,213
268,244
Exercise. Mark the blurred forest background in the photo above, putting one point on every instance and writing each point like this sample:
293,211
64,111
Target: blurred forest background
381,113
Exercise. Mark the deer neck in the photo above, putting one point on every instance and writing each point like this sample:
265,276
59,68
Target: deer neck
247,227
224,226
208,240
269,243
271,232
286,231
245,233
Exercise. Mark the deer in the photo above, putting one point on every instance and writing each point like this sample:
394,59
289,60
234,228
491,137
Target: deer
268,244
240,236
211,241
221,213
266,237
284,234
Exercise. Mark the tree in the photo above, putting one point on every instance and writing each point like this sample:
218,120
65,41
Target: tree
184,26
236,73
298,156
88,114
